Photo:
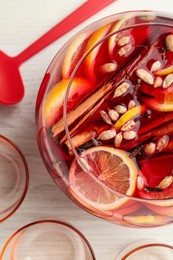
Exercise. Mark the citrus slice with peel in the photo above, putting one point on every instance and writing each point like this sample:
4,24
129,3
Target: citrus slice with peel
109,168
53,104
161,100
120,24
147,220
90,60
130,114
74,53
163,72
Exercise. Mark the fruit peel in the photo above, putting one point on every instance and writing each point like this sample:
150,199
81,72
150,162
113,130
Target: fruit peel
53,102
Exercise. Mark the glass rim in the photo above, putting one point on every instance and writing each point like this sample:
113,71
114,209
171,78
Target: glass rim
132,248
22,157
45,221
154,201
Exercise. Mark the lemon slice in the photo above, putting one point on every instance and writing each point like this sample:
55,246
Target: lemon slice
148,220
130,114
110,168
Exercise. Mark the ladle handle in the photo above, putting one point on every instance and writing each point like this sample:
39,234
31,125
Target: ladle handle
86,10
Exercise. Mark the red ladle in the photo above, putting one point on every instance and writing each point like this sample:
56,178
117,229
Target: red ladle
11,84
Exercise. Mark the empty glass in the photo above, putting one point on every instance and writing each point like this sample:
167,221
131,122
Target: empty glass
14,177
147,249
45,240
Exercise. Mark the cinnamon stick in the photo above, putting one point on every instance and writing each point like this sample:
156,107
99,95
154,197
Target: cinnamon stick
105,89
153,134
83,137
82,120
160,121
81,109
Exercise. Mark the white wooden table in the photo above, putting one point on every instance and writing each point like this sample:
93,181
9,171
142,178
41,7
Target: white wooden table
22,22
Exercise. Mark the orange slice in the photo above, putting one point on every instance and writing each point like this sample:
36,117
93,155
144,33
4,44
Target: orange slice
122,23
53,104
90,60
131,113
108,167
74,53
106,214
148,220
164,71
162,100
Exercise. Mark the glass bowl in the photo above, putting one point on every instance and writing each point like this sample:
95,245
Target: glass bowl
45,240
104,117
150,249
14,178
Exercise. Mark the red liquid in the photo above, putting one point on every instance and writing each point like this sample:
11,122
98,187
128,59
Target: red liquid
152,153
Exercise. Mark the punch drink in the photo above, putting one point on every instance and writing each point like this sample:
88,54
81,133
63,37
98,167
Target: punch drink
106,120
